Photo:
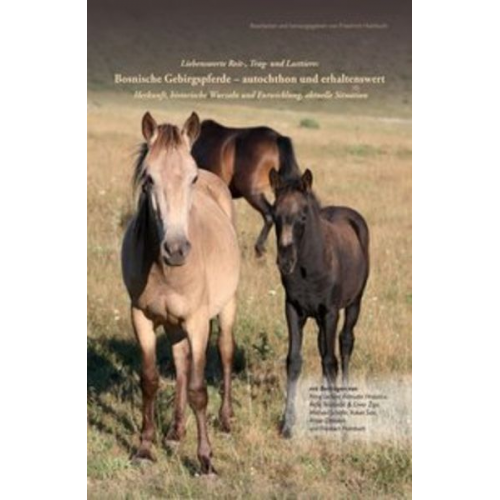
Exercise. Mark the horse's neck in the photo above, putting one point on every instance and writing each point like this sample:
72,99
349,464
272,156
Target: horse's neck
311,250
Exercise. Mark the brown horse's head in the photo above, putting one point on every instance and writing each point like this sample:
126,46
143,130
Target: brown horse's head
166,172
291,210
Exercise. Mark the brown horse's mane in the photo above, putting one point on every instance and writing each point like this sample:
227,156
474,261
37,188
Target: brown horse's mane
168,136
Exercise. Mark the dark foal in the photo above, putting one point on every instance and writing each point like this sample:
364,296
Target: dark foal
323,261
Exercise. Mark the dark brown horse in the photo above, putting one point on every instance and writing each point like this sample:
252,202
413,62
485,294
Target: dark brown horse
243,158
323,261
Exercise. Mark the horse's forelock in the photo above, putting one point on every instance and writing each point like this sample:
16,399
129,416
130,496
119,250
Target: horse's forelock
169,136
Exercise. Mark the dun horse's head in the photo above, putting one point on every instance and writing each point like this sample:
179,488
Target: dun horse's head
167,175
290,216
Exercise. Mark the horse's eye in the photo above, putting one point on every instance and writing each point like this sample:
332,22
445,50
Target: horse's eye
195,180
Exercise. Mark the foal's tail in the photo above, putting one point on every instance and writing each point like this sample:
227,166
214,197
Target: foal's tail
288,167
360,227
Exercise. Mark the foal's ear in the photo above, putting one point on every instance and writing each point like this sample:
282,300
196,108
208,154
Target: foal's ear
149,126
192,128
307,180
274,179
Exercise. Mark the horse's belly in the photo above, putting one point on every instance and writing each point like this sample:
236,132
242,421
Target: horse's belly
223,281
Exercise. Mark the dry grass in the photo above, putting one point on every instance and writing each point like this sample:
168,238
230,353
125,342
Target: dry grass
358,161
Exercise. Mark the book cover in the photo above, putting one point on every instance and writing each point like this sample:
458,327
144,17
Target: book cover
249,249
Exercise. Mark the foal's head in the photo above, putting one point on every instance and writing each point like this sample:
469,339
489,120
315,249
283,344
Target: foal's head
166,173
294,201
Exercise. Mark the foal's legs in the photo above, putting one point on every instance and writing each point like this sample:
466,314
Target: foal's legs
180,349
144,332
326,344
198,331
226,351
346,339
260,203
295,321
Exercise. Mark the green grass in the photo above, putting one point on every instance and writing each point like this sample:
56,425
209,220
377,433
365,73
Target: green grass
309,123
364,150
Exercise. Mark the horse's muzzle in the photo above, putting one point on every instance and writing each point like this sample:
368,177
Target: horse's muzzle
287,259
176,253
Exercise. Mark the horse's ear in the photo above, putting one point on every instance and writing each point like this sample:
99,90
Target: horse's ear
274,179
192,128
149,126
307,180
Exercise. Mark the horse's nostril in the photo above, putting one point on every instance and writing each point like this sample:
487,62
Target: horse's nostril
186,248
177,249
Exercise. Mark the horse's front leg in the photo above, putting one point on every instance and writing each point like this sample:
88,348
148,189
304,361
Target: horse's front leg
295,321
145,334
198,331
226,346
181,353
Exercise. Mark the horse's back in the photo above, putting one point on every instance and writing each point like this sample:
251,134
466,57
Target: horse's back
336,214
241,157
212,129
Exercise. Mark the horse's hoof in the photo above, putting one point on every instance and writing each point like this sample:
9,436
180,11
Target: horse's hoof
207,469
225,422
225,426
286,432
143,457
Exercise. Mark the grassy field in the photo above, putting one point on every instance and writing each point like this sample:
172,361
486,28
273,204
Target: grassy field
361,161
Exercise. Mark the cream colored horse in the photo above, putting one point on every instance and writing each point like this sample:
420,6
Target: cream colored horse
181,263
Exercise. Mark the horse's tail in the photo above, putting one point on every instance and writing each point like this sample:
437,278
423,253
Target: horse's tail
360,227
288,167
